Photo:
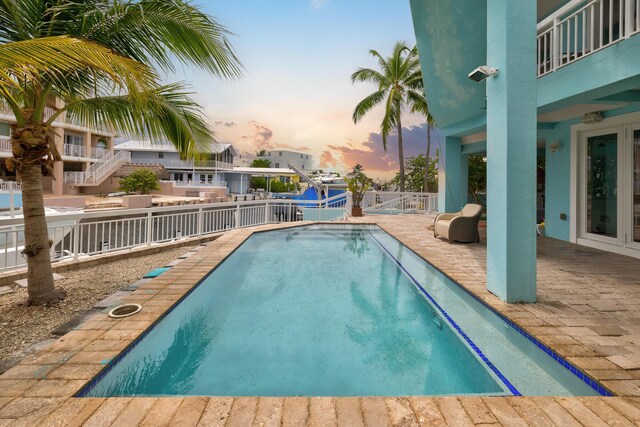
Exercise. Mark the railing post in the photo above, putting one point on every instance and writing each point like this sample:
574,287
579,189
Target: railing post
200,221
555,45
236,216
267,217
76,239
149,228
628,18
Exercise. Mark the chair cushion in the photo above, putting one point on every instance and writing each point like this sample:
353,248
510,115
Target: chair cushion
471,210
442,227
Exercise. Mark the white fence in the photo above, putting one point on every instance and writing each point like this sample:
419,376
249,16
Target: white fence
404,203
582,27
79,235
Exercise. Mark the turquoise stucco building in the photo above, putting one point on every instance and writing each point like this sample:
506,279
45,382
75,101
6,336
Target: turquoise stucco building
559,124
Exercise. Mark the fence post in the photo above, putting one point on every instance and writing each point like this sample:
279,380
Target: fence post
266,213
76,239
200,221
236,216
149,228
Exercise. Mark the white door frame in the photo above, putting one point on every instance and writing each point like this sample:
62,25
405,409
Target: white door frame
624,243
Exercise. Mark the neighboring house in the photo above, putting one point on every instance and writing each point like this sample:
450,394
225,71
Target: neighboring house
566,95
83,151
205,172
282,158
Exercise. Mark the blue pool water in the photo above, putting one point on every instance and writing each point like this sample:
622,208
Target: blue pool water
332,311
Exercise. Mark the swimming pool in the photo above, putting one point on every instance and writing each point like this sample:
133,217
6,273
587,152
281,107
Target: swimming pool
332,310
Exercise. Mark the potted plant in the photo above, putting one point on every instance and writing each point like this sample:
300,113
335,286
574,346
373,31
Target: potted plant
357,183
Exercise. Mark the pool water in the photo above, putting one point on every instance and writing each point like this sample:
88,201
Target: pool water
331,311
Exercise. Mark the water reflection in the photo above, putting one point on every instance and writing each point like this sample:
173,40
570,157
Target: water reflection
389,328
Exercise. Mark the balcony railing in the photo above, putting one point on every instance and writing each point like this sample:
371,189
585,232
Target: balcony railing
189,164
62,119
583,27
71,150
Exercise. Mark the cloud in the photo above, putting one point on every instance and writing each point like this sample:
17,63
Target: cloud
317,4
372,156
327,160
227,124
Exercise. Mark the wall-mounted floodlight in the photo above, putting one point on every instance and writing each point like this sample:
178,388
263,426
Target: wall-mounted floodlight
481,73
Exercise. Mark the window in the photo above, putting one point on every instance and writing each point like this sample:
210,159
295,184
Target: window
307,157
280,153
73,139
277,165
4,129
302,156
302,166
269,153
161,155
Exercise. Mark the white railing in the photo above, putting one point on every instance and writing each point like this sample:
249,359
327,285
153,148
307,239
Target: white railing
98,171
189,164
10,186
73,150
5,144
79,235
406,203
198,184
98,152
583,27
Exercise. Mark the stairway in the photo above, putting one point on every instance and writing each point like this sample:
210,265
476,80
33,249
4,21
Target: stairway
98,171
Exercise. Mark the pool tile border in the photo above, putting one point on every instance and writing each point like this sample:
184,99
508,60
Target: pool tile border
452,322
594,384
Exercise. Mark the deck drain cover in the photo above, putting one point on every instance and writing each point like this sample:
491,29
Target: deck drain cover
125,310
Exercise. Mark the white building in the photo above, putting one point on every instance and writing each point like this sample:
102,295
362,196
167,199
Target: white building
209,171
281,158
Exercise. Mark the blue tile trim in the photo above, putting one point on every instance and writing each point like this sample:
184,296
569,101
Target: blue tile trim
452,322
561,360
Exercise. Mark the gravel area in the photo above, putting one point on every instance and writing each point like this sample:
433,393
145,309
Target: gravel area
21,326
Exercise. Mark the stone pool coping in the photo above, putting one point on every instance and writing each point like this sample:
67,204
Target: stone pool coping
40,389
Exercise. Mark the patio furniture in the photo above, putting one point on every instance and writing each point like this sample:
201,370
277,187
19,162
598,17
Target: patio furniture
460,226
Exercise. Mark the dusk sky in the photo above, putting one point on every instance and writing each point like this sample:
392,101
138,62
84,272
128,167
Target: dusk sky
296,91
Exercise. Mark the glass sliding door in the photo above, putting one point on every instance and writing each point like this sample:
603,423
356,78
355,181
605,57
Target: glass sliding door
601,189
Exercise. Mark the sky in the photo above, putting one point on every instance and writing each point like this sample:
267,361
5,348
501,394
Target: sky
296,90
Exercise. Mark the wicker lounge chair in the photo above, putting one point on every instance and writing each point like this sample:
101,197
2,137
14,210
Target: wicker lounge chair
460,226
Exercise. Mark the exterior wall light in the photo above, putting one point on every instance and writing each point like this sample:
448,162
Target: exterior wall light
555,146
481,73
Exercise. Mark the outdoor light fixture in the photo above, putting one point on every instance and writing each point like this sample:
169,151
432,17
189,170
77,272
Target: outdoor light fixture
555,146
592,118
481,73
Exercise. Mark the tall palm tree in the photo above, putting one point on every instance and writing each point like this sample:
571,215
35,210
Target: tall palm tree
419,104
98,62
394,80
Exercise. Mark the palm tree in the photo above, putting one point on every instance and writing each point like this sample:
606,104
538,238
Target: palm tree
419,105
395,81
98,62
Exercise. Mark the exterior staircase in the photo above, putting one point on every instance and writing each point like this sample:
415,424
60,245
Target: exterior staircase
98,171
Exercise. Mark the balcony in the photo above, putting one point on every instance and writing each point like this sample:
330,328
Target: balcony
583,27
189,164
61,121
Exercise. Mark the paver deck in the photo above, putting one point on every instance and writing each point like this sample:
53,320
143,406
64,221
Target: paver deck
588,311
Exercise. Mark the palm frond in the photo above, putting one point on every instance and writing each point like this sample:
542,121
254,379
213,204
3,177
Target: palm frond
367,104
369,75
54,57
166,113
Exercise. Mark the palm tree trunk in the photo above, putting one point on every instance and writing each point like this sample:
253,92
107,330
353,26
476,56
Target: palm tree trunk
41,288
400,153
426,165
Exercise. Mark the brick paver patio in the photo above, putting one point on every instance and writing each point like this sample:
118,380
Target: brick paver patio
588,311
